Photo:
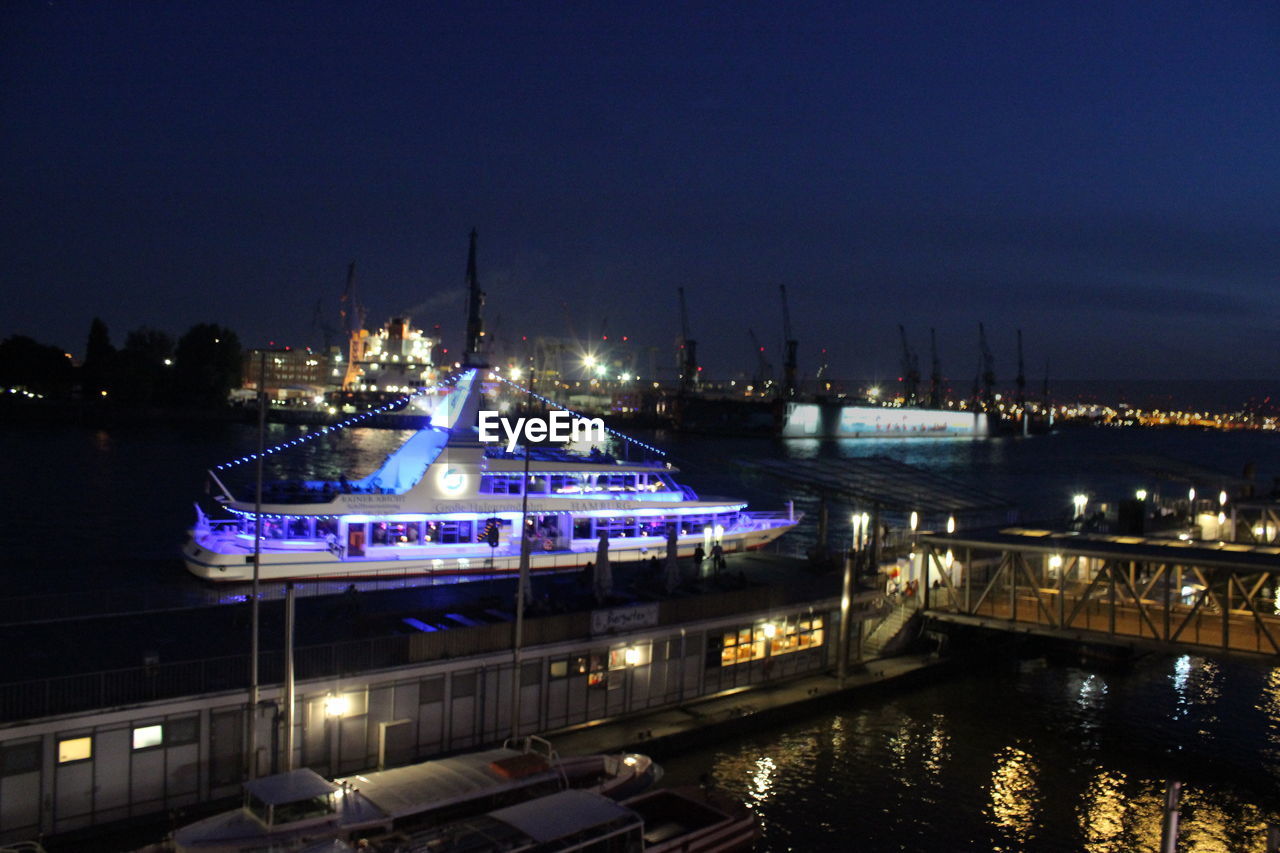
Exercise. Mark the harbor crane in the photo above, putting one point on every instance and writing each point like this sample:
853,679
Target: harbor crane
353,316
790,346
910,370
935,376
688,350
321,326
1022,375
984,382
474,352
764,370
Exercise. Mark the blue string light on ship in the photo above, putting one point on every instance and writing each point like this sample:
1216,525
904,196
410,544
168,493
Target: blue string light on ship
332,428
613,432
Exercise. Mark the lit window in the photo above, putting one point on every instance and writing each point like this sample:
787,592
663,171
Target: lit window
145,737
75,749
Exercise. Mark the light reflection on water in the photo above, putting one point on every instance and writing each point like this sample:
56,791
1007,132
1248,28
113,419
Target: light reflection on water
1025,758
1015,797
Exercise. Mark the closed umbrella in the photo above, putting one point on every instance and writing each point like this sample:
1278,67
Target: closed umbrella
672,577
603,580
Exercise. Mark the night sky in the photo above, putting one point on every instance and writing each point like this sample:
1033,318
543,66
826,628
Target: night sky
1103,176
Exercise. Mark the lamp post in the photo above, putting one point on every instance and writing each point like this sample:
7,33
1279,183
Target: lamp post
522,585
251,730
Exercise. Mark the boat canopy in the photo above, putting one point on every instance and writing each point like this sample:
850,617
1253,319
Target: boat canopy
563,815
407,464
290,787
404,790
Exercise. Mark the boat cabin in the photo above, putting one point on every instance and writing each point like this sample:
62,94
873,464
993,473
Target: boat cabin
288,798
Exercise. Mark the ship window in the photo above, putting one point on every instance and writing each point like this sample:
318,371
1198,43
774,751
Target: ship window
449,532
146,737
431,690
19,758
567,484
559,668
741,646
464,685
299,528
582,528
75,749
501,484
181,731
530,674
302,809
596,677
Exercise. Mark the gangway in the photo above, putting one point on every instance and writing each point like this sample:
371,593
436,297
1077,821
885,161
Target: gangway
1163,594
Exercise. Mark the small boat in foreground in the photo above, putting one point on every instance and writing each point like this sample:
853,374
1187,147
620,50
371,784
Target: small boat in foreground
292,810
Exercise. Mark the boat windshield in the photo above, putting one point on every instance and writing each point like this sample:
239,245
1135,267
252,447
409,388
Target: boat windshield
282,813
302,809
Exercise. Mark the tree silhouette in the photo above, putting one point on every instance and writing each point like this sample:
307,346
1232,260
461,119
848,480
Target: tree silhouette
99,360
207,365
36,367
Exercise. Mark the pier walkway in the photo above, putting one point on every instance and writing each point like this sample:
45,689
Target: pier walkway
1165,594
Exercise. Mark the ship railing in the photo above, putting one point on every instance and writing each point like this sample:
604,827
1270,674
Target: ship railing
154,680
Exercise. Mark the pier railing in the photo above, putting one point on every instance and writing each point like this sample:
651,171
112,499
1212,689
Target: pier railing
1170,595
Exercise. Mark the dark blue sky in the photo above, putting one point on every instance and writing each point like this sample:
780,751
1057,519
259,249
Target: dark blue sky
1104,177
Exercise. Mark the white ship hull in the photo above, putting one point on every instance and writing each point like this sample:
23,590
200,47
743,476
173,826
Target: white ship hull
445,503
215,559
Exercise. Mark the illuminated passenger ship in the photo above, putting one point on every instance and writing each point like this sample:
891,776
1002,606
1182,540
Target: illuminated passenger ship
446,503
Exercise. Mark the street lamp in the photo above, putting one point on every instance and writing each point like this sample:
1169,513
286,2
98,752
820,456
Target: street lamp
1080,501
1141,494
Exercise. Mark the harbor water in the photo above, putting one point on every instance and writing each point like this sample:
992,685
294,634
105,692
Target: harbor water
1021,754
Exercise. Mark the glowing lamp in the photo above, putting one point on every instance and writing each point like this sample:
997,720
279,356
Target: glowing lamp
336,706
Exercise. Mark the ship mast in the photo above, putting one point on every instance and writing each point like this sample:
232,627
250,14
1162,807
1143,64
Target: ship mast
935,378
473,351
789,349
